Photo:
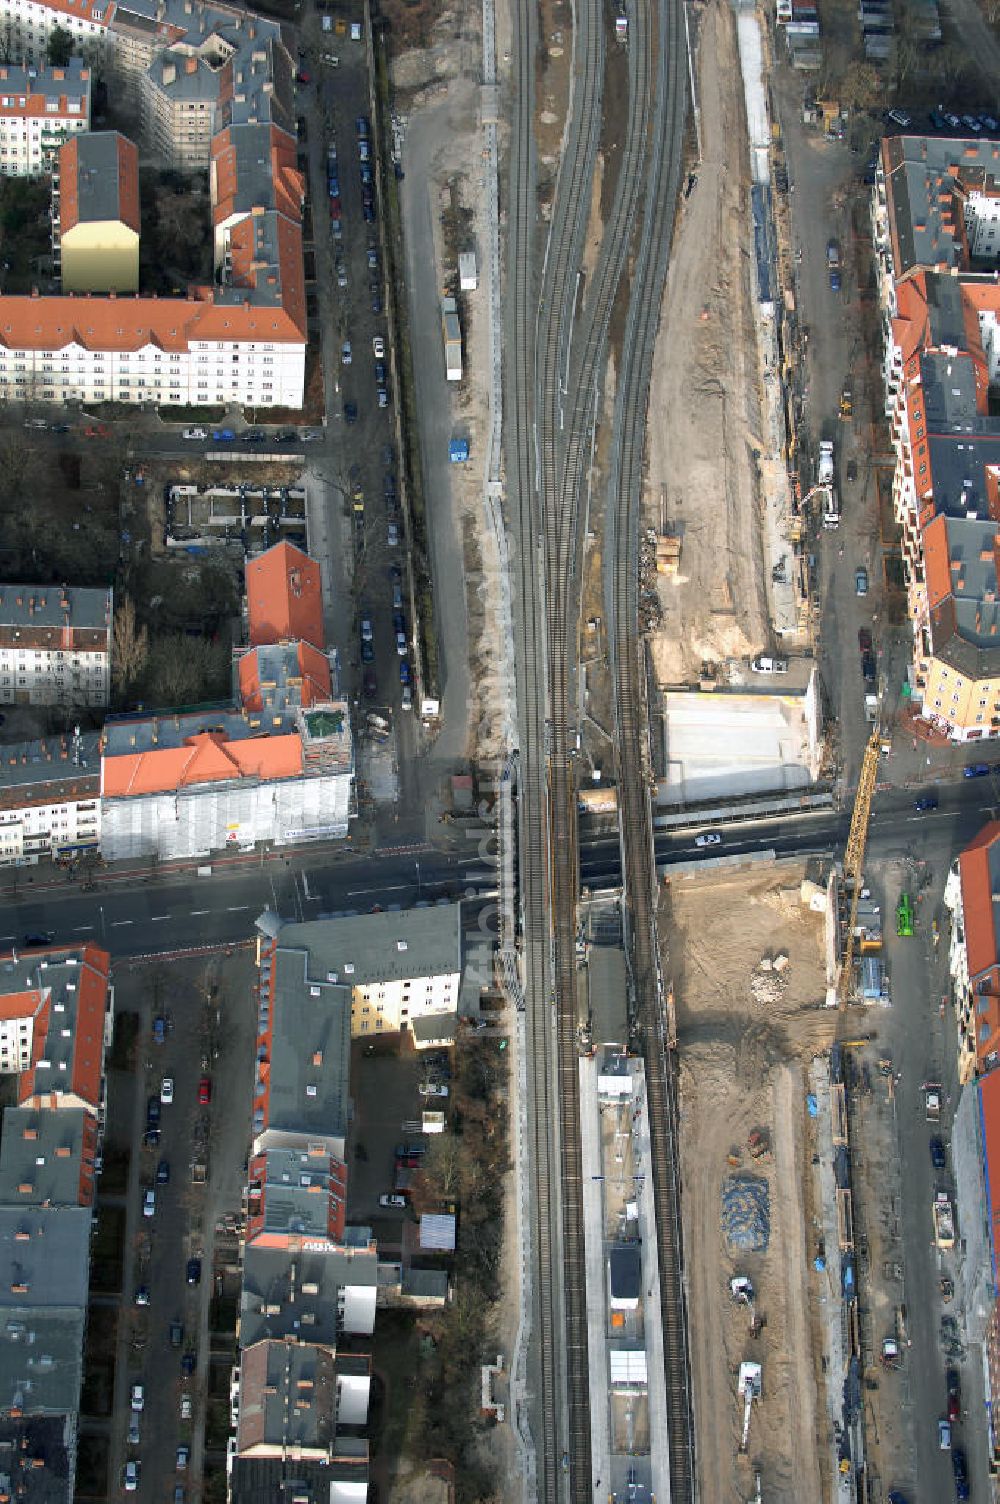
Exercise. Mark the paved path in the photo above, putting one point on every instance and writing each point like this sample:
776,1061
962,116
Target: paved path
425,129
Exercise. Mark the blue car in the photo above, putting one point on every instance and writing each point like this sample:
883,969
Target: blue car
834,281
961,1470
924,803
976,770
404,673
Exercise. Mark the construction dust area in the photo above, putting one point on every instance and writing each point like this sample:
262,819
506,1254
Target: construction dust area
251,518
704,421
193,506
744,733
745,957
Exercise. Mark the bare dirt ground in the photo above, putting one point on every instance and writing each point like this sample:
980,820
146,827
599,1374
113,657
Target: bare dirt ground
437,89
743,1066
703,401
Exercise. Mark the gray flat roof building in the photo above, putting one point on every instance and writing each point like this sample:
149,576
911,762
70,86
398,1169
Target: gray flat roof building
51,770
358,949
262,1480
934,188
304,1088
44,1272
55,607
47,1158
311,1295
288,1398
36,1453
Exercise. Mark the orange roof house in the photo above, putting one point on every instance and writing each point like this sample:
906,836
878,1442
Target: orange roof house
284,597
276,675
204,758
979,872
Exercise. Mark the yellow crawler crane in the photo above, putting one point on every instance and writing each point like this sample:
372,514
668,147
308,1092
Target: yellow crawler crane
854,856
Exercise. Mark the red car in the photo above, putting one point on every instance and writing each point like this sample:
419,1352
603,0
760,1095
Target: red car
954,1395
96,431
204,1090
408,1161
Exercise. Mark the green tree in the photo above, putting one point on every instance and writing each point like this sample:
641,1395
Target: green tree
59,47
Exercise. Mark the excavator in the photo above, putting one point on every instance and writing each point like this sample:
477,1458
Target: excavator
750,1388
742,1292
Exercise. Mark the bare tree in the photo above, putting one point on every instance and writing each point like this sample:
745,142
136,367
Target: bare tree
130,645
17,460
861,88
443,1164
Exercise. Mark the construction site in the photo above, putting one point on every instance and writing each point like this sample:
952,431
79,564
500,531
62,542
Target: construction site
746,959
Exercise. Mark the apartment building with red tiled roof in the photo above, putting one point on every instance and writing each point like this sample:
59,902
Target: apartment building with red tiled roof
95,214
279,770
199,71
40,108
972,894
936,220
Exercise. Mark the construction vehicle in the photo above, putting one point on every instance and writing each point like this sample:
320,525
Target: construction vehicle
891,1356
846,401
824,468
742,1291
854,858
759,1143
749,1388
944,1220
904,917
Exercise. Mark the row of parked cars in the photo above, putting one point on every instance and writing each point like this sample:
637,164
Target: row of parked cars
409,1155
251,436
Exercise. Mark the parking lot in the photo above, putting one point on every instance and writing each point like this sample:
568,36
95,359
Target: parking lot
363,469
187,1142
386,1099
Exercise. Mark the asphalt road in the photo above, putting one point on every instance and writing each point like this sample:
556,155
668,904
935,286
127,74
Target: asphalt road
179,911
168,911
211,1032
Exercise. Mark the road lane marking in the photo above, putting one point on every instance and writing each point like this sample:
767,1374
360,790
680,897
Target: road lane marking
237,908
196,912
155,918
116,923
83,929
399,888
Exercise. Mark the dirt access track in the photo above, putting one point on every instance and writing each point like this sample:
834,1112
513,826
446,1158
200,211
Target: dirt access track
743,1062
703,427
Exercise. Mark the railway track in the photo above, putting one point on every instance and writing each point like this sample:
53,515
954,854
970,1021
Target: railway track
545,1377
554,366
623,514
569,391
